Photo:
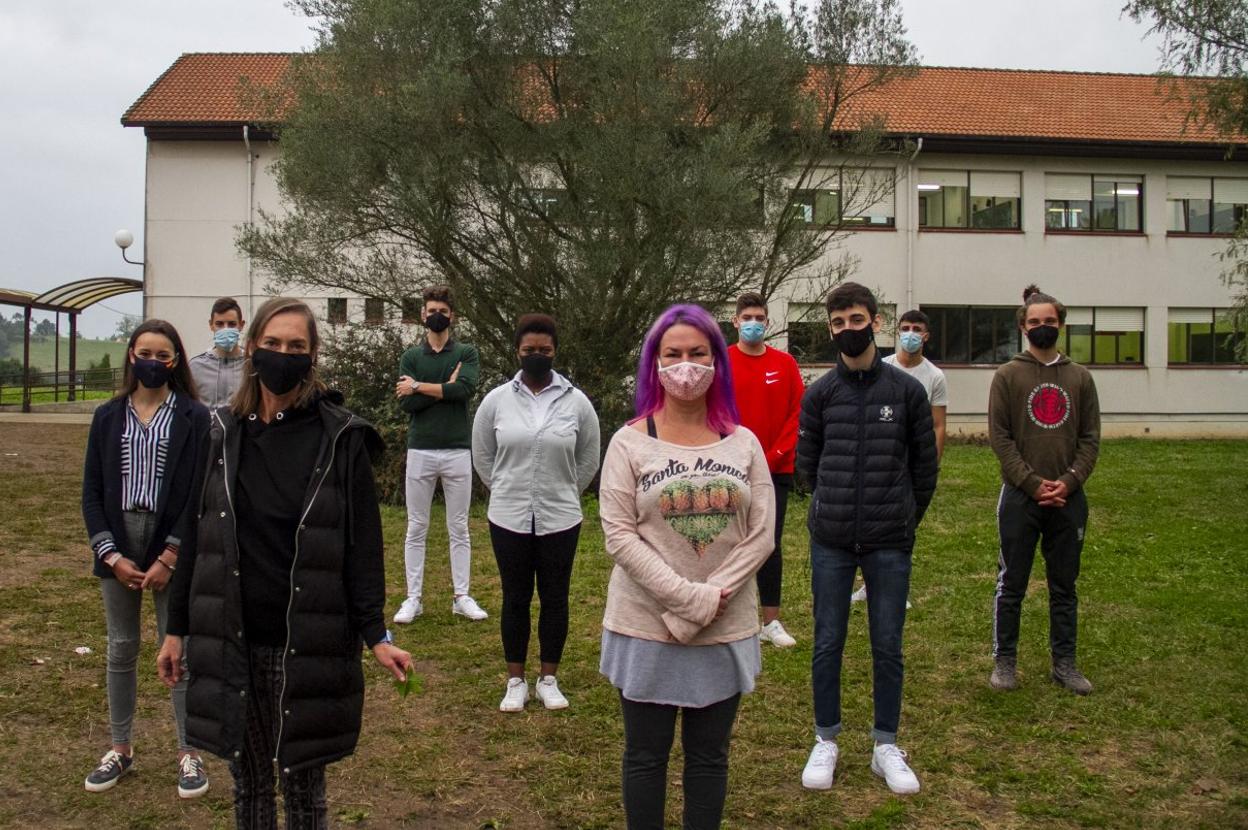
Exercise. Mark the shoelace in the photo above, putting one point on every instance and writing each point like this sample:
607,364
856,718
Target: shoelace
825,754
895,757
111,759
190,766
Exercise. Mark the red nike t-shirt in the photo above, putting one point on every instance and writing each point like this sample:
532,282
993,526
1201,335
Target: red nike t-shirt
769,397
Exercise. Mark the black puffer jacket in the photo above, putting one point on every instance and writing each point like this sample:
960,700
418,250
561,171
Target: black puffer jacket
330,610
866,448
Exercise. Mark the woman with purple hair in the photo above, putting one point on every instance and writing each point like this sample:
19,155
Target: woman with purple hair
688,514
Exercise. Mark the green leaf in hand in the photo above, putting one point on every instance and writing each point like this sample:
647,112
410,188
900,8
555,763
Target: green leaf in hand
412,684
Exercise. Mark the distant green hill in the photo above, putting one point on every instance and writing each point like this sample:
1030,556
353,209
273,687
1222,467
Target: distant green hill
42,352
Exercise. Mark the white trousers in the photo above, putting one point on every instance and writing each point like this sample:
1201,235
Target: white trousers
424,468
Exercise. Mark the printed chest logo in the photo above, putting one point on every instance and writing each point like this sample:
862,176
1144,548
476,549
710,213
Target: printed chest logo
771,377
886,413
1048,405
699,513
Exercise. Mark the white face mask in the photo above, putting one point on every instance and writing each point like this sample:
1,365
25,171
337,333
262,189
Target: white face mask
687,381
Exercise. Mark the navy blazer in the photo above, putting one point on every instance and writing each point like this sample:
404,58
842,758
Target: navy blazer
101,480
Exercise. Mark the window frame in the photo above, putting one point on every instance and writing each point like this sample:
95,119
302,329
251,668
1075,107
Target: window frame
336,310
938,344
1213,324
374,311
1096,334
853,223
968,202
1092,229
1237,207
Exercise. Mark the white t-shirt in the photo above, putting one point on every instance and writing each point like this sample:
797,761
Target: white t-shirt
926,373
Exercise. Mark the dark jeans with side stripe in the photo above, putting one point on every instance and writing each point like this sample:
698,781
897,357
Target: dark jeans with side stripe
303,791
1021,523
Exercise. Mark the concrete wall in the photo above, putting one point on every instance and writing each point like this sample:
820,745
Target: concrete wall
198,196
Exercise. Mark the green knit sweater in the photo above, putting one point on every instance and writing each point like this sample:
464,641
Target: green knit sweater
435,424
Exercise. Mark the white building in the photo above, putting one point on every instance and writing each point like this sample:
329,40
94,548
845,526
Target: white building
1088,184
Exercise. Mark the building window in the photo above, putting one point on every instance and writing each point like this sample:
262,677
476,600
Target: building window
809,338
336,310
1104,336
1204,336
810,341
969,199
1079,202
972,334
374,311
410,309
1206,205
864,197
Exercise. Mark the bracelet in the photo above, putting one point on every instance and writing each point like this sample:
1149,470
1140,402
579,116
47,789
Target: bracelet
170,568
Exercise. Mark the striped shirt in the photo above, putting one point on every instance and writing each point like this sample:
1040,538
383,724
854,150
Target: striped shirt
144,448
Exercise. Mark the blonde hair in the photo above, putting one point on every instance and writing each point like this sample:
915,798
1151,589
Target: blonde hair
246,400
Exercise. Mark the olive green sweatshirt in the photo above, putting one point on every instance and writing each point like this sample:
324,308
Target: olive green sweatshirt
1044,422
440,424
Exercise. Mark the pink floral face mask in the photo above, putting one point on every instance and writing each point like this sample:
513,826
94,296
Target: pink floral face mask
687,381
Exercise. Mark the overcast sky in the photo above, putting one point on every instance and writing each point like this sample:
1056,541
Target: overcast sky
71,175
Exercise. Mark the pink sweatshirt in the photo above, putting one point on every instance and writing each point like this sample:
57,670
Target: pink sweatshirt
681,523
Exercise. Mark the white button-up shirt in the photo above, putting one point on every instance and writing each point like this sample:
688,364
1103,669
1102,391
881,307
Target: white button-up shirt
535,453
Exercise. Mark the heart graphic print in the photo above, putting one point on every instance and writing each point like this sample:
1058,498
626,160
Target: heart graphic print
699,513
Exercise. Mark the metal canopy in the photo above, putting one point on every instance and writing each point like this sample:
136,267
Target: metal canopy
72,297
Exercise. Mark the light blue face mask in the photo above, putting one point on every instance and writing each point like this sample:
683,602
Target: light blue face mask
225,339
752,331
911,341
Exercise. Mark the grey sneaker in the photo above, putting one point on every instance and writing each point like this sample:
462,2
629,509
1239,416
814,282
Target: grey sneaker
1004,674
192,779
112,766
1065,674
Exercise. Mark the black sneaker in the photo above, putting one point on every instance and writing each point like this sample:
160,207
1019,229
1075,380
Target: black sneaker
192,780
112,766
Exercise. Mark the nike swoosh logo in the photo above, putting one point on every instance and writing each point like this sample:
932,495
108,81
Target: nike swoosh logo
770,382
769,374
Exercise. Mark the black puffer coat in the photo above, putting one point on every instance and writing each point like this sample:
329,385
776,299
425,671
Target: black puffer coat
866,448
323,689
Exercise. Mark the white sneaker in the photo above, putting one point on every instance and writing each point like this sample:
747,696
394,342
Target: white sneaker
821,766
774,633
408,611
889,762
466,606
861,596
517,695
548,693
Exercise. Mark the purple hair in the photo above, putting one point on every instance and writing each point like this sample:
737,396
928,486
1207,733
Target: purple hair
721,401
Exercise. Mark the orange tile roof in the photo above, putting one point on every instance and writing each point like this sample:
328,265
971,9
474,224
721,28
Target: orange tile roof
203,89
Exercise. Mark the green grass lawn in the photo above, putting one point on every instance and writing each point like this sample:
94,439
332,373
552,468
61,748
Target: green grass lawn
43,352
1161,742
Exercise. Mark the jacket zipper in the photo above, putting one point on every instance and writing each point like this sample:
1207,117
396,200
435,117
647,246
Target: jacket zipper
862,432
281,698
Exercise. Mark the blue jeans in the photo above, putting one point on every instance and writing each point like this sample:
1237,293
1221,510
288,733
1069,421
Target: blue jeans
887,576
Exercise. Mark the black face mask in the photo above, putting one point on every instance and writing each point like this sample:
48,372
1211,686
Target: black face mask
853,342
151,373
536,365
280,372
437,322
1042,337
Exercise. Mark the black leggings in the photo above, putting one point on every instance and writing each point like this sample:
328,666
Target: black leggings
521,557
649,729
769,575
